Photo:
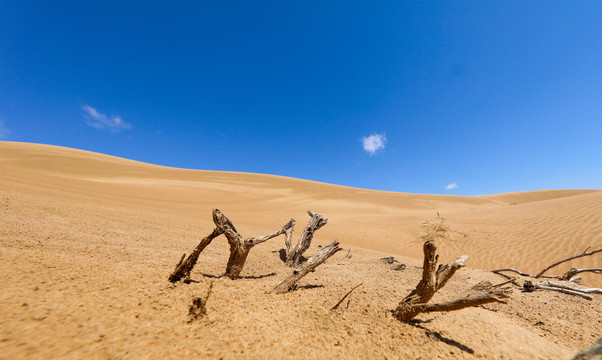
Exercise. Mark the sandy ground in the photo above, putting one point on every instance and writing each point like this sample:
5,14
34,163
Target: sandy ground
87,242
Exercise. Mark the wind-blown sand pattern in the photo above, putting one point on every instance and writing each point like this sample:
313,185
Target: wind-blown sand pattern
88,240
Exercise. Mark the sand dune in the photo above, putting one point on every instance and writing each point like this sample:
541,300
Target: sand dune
88,241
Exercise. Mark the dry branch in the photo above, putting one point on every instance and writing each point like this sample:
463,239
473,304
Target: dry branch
184,267
569,275
480,294
583,290
530,286
585,253
317,259
239,247
434,278
293,254
344,297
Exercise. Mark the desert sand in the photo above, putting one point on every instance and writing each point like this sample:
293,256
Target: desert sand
87,242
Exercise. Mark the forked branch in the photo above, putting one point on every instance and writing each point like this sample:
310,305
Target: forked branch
434,278
569,275
293,254
317,259
239,247
585,253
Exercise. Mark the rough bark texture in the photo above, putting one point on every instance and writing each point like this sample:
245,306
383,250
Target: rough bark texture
184,267
434,278
239,247
482,293
592,353
293,254
309,266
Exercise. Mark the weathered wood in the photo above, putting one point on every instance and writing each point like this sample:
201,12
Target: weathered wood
563,286
184,267
499,272
585,253
482,293
531,286
345,296
239,247
317,259
594,352
434,278
569,275
293,254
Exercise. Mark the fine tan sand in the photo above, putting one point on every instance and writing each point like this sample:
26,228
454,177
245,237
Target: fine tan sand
87,242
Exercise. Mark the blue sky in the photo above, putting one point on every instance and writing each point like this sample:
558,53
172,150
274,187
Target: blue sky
492,96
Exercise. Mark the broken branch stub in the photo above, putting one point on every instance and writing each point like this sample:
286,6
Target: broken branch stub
184,267
293,254
434,278
317,259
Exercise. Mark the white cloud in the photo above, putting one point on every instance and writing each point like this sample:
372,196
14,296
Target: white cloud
452,186
374,142
98,120
4,131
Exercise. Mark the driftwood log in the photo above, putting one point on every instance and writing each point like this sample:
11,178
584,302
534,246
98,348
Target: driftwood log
434,278
239,247
317,259
294,253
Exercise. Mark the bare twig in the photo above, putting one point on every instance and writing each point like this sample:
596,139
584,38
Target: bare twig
530,286
498,271
344,297
585,253
563,286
